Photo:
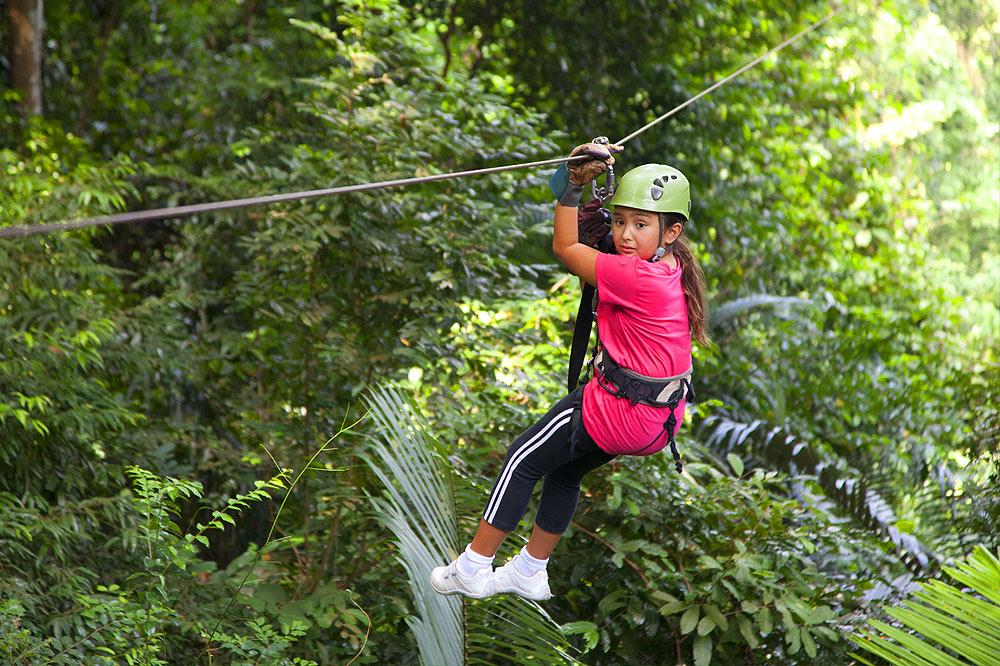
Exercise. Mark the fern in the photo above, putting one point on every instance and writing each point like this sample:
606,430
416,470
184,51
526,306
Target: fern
943,623
847,487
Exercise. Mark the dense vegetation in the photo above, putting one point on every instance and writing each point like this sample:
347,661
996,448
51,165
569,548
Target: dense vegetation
187,459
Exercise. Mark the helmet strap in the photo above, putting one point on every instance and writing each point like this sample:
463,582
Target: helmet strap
663,249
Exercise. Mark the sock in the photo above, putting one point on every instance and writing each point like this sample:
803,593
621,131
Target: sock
470,562
527,565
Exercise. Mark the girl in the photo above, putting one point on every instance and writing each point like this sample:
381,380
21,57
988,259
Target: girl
650,302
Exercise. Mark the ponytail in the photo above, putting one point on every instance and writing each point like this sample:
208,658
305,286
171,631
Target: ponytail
692,280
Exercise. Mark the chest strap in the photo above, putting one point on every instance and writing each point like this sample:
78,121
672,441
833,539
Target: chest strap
637,388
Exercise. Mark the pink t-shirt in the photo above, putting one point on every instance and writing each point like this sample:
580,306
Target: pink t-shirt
642,321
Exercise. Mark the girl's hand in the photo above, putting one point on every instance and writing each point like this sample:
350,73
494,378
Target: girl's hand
582,172
593,224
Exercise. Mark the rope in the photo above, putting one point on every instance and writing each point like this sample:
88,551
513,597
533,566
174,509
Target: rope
21,231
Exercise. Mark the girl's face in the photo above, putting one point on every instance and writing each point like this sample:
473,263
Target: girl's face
635,232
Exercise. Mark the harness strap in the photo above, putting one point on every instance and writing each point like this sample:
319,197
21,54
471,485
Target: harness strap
622,382
584,322
668,392
669,426
581,337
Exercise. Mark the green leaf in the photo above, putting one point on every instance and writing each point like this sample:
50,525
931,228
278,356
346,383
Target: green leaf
703,651
808,643
820,614
587,629
271,594
792,639
690,619
673,607
736,463
765,620
709,562
746,629
712,611
662,597
612,602
940,617
705,626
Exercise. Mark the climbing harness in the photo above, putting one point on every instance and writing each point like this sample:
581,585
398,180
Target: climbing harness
629,385
635,387
21,231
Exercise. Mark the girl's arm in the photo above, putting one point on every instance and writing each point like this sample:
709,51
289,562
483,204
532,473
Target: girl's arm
567,185
580,259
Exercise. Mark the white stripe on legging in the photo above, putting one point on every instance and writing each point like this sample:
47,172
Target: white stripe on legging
557,422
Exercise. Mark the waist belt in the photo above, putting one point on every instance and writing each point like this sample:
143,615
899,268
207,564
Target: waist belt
637,388
624,383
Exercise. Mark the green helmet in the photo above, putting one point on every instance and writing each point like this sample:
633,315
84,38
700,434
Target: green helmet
654,187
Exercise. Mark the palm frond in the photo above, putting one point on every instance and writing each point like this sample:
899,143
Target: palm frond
943,622
723,315
418,507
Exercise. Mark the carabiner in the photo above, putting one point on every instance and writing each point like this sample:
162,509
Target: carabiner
606,191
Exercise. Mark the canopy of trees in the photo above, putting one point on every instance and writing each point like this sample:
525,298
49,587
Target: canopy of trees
198,458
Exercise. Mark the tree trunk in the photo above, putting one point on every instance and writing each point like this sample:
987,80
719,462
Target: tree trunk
24,18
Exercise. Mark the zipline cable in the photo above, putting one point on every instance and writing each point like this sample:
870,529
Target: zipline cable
195,209
22,231
729,78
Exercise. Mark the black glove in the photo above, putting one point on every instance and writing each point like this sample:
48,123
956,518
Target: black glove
593,224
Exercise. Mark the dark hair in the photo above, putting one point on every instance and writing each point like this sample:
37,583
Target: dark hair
692,279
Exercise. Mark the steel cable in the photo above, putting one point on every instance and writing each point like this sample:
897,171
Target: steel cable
20,231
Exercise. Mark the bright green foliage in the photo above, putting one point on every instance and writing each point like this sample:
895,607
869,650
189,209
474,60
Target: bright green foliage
961,622
720,570
58,304
844,209
149,613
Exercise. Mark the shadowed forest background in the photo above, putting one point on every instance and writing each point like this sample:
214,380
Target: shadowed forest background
168,389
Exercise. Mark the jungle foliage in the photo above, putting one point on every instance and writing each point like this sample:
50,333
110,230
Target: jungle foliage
196,417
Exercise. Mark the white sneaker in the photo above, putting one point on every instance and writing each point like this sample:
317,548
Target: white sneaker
449,580
535,587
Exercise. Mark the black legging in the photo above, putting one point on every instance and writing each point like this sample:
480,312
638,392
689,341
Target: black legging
558,448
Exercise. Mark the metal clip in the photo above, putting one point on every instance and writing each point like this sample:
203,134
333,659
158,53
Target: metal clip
606,191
